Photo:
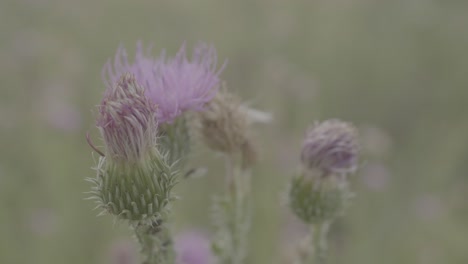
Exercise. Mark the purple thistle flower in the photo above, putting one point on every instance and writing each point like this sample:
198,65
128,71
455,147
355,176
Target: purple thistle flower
193,248
174,84
127,121
331,146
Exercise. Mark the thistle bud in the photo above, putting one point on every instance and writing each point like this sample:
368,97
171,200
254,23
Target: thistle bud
318,194
127,121
224,125
133,181
316,199
331,147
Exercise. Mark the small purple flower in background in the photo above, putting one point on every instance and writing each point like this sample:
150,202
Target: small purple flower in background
63,117
123,252
174,84
193,248
376,142
376,176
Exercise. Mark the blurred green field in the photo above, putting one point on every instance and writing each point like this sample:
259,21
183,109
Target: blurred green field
397,69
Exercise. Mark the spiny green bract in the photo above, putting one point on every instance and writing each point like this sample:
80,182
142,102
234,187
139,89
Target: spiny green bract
135,191
174,139
315,200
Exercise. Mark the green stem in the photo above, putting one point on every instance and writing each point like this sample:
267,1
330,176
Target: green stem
319,241
155,241
236,221
230,177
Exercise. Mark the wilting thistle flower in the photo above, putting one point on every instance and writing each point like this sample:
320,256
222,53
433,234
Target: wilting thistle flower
176,84
224,127
133,180
331,147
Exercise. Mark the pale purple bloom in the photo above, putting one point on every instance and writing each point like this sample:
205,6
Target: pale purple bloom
174,84
127,120
331,146
193,248
376,176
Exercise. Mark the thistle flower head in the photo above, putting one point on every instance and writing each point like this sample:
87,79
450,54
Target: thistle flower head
127,121
134,180
174,84
224,126
331,147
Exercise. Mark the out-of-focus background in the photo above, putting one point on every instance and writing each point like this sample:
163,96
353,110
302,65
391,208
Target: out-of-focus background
397,69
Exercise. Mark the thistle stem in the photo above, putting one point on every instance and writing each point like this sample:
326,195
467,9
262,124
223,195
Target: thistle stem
155,242
319,233
229,167
235,222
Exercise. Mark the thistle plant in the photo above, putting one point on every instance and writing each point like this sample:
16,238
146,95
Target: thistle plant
146,118
319,192
141,121
134,179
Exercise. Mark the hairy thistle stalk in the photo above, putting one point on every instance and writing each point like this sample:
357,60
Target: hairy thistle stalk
319,234
156,242
232,215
